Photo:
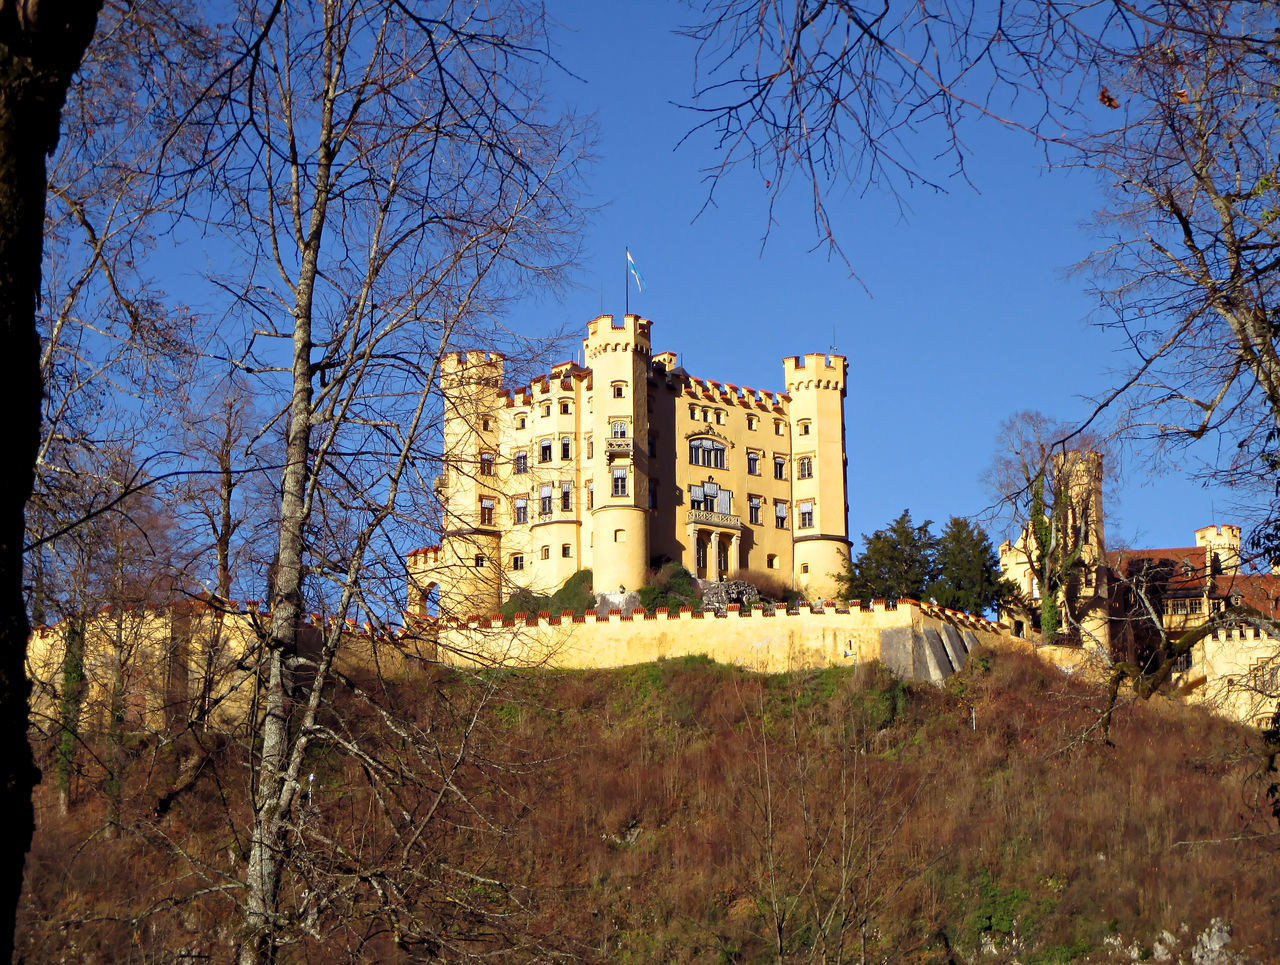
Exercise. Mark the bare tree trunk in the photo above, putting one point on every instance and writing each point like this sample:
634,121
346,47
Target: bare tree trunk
276,788
41,44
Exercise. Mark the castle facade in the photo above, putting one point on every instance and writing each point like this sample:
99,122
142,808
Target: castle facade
625,462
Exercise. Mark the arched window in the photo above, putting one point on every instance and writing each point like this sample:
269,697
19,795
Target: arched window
804,470
619,430
706,452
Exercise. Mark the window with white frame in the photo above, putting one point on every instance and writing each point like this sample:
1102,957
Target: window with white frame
544,451
706,452
620,481
522,462
486,464
565,447
805,511
753,510
779,467
522,510
544,501
566,497
753,463
517,561
564,408
619,430
566,550
486,512
618,388
780,515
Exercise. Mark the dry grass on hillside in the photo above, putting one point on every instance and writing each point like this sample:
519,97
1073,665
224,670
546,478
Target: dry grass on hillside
685,811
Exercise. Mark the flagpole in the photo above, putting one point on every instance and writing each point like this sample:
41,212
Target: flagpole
626,284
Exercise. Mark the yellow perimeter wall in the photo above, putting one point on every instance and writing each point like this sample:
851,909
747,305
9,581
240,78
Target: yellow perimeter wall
918,641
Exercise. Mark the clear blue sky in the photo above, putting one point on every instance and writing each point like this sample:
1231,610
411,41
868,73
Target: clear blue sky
967,314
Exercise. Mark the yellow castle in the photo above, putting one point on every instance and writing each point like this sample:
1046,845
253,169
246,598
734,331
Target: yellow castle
625,462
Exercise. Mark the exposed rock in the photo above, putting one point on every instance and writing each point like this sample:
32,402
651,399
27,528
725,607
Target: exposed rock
718,596
1211,945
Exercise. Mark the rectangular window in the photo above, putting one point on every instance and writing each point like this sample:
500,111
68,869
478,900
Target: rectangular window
486,512
546,552
779,467
564,408
753,463
617,391
805,469
805,510
753,511
522,462
780,515
486,464
752,422
591,496
544,501
544,451
517,562
566,550
564,448
566,497
522,510
591,449
778,427
619,482
479,560
520,422
804,428
1193,606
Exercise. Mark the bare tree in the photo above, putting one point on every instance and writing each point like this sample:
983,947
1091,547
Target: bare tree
389,177
41,43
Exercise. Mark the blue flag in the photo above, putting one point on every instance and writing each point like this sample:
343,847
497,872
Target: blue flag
631,267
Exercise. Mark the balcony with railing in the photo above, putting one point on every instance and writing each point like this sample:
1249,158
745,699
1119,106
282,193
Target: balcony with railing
705,517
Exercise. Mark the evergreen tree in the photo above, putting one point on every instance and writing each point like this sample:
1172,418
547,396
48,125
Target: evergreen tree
897,561
968,570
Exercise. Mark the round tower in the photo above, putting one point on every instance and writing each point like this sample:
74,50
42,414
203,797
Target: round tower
1222,548
617,352
816,384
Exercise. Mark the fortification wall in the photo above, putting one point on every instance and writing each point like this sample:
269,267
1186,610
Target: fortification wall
917,641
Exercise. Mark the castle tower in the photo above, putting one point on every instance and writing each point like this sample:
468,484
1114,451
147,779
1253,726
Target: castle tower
1079,474
617,352
1221,549
820,514
468,566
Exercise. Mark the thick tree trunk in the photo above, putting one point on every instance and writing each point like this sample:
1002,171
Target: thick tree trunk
41,44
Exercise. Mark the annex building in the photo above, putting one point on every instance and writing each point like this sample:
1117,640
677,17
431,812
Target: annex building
1126,604
628,461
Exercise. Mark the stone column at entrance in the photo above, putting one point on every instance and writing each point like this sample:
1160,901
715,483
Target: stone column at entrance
713,556
691,549
734,560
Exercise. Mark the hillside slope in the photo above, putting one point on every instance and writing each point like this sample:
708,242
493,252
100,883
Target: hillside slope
686,811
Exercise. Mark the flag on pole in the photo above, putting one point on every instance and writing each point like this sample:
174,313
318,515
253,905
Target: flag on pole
631,267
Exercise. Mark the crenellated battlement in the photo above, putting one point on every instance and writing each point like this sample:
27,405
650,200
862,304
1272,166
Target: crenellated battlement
816,370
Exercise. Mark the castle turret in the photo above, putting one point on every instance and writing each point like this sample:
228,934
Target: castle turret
467,567
617,352
1221,549
816,384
